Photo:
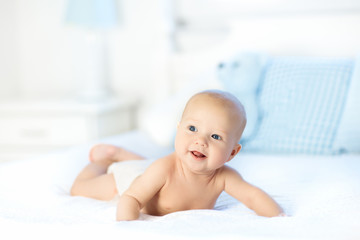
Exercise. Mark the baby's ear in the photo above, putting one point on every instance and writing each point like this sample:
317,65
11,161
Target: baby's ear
235,151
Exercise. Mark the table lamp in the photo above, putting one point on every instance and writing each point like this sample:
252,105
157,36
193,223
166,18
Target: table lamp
94,18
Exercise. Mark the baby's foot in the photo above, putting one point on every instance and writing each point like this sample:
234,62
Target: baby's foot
104,152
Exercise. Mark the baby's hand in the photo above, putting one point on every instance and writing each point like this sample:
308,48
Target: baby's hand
282,215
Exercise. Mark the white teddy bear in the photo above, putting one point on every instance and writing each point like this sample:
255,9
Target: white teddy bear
241,75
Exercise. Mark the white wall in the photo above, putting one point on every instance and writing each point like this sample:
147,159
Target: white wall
8,49
205,23
38,51
38,57
44,53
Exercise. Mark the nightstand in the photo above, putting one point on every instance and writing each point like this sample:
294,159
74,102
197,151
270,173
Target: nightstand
29,128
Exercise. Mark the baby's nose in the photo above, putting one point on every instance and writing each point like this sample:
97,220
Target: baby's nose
200,141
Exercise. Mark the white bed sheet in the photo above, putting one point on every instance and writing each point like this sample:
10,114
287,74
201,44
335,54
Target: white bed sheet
320,193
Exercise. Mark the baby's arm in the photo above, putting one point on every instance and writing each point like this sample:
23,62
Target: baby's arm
253,197
140,192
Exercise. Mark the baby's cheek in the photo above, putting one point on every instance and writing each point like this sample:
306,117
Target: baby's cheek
180,144
221,154
176,144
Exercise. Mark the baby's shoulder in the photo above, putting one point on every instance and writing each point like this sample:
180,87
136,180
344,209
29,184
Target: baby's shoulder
163,164
226,172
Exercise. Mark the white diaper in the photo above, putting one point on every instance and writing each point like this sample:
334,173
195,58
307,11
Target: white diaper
126,171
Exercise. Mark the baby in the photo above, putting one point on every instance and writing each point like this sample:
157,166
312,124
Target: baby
192,177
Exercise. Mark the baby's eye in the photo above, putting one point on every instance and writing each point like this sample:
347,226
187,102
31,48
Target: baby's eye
192,128
216,137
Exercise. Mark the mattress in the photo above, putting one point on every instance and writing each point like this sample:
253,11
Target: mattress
320,194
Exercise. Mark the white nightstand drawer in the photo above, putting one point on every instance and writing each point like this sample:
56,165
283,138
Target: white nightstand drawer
32,127
43,131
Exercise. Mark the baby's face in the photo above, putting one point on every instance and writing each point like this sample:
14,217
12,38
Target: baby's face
207,135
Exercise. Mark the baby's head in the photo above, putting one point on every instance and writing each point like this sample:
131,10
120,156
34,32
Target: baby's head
210,129
223,104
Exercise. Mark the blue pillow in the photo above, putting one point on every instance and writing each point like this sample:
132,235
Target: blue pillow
301,102
348,134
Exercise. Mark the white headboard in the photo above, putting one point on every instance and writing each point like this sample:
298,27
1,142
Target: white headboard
309,34
320,35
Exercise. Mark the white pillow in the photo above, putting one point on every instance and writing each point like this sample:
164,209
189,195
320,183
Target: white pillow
161,120
348,135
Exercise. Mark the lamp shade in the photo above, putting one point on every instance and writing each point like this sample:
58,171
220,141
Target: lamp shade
93,14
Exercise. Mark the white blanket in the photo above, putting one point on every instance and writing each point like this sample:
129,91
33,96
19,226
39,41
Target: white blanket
321,195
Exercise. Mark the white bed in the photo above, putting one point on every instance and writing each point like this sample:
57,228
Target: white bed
319,192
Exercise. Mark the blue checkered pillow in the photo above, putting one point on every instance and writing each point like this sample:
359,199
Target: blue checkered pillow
301,101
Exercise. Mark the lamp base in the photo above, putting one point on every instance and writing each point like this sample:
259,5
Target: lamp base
94,96
93,68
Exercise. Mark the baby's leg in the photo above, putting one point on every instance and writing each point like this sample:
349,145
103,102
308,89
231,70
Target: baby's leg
107,152
93,181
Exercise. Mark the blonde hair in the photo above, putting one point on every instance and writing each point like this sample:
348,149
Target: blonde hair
227,100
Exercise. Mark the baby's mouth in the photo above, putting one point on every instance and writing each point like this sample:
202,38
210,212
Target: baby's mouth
198,154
